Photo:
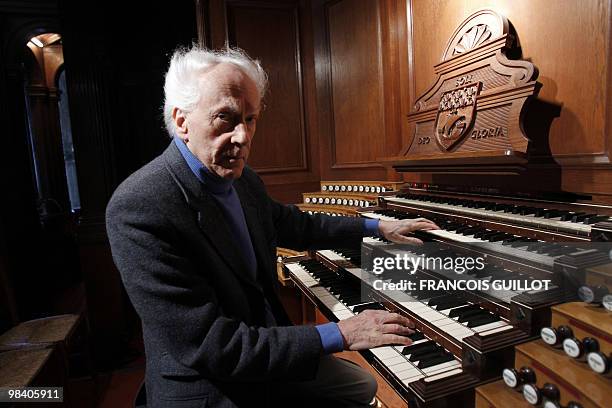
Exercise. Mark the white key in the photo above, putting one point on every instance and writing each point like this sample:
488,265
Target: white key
410,376
454,236
444,375
489,326
338,307
441,367
551,224
402,368
331,255
394,360
417,377
344,314
384,352
498,330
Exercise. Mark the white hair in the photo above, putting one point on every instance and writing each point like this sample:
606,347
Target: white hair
182,89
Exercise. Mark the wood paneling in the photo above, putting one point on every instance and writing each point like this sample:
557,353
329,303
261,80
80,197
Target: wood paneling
334,83
279,34
569,42
280,144
357,48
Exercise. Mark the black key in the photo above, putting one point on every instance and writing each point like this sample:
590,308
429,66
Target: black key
471,315
498,236
561,250
534,246
416,336
444,358
353,302
482,234
510,240
482,320
567,215
459,311
523,242
545,249
528,210
592,219
579,217
368,306
418,348
553,213
435,300
451,304
426,355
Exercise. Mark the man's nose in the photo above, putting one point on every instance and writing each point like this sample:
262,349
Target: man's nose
241,134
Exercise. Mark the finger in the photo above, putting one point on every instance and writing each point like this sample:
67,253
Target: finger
423,225
399,319
402,239
395,339
396,329
415,226
431,225
421,219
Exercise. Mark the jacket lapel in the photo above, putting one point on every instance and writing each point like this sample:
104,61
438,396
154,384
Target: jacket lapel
253,220
209,216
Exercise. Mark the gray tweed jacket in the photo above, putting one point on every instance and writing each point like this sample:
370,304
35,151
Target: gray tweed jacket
214,335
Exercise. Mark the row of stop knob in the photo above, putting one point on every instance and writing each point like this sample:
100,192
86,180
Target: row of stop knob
585,350
598,295
524,380
356,189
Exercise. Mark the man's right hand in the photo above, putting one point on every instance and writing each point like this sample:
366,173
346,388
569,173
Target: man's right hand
373,328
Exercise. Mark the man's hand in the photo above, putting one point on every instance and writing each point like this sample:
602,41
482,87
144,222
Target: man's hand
396,231
373,328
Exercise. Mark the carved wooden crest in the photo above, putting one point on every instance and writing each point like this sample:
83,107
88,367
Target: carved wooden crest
470,119
456,114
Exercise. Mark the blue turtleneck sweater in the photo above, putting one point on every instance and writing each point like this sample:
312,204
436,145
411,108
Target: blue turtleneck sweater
225,194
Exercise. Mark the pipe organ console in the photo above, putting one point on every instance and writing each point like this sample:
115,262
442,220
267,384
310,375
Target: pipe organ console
501,347
466,339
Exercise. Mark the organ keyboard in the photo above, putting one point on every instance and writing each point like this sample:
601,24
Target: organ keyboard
425,369
462,339
544,218
512,248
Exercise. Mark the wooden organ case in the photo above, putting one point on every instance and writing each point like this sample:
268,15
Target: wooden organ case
475,119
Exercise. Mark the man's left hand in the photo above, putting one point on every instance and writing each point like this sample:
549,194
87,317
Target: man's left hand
397,231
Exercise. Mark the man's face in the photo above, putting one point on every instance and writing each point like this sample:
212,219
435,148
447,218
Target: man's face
220,129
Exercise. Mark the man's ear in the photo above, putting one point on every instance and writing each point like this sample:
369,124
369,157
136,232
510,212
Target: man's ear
180,123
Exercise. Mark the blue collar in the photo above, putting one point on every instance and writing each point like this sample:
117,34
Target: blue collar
211,181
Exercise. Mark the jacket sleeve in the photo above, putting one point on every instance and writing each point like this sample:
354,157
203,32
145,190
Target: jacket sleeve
299,230
178,304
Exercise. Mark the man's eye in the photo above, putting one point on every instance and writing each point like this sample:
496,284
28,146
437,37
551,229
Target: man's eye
224,117
251,119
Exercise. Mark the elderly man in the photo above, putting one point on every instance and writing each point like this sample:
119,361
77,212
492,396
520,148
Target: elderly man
194,235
